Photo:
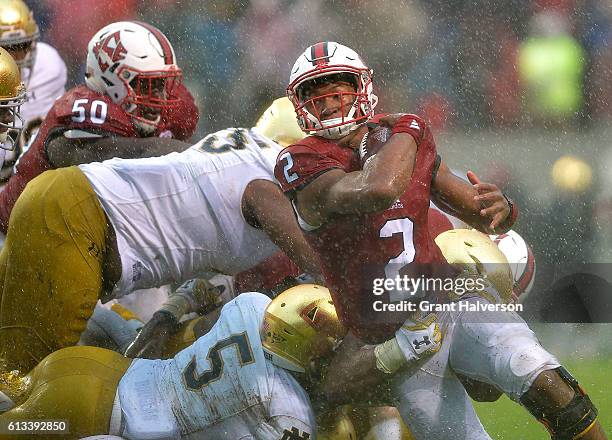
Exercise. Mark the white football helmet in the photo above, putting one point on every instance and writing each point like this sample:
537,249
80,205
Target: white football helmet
134,64
521,260
330,59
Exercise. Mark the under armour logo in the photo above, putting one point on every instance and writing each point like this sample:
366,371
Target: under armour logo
414,124
425,341
294,434
137,271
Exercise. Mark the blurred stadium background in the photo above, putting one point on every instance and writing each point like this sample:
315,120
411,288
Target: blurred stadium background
516,90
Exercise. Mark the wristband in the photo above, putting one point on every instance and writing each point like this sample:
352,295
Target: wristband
389,357
405,124
506,225
177,306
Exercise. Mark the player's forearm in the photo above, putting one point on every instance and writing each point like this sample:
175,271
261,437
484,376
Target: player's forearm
63,152
382,181
264,202
462,206
352,370
132,148
455,196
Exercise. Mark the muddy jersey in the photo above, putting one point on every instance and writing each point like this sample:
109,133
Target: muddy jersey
179,216
355,251
220,387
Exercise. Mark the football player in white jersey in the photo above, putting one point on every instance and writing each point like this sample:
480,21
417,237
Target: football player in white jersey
223,386
101,230
233,382
277,123
492,346
42,69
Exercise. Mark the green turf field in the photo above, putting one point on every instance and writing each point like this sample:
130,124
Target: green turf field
506,420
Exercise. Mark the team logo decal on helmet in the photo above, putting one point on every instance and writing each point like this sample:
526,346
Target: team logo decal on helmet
112,47
134,64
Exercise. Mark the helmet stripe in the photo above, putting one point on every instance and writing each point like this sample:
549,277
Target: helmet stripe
319,54
163,41
528,274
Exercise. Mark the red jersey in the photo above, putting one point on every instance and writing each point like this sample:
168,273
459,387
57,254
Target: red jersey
83,109
355,251
182,118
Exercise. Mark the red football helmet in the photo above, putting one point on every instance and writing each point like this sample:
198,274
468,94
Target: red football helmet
330,62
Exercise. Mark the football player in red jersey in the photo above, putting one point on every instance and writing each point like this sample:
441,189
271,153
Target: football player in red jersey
381,212
366,217
132,90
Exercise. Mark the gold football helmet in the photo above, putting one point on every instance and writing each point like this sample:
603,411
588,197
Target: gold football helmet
18,32
278,123
12,95
477,254
300,325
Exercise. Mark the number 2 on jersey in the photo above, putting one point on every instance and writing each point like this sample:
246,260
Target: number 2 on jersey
289,177
404,227
240,342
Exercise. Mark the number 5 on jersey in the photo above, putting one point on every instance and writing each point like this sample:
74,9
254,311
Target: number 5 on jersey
194,381
96,112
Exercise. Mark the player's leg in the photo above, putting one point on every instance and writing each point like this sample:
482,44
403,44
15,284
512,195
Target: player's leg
500,349
77,384
336,424
52,260
434,404
385,424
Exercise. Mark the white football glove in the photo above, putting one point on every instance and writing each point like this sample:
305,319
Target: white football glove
413,342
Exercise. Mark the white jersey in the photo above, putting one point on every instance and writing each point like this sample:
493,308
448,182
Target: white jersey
221,387
46,83
180,215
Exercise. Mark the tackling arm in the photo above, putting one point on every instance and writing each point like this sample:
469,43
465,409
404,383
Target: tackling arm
265,205
353,370
63,151
356,367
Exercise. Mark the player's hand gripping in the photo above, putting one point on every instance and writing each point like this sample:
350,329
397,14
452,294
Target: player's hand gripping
152,338
194,296
413,342
494,204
